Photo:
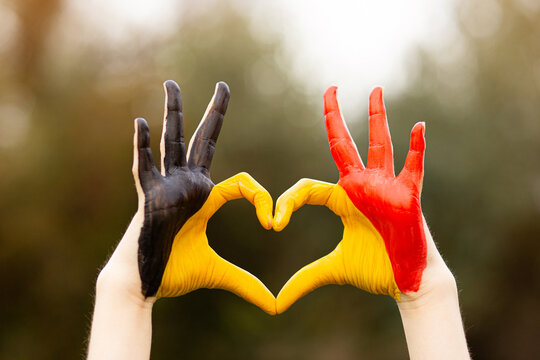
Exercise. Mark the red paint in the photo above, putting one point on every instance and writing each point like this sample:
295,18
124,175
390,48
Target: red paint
391,203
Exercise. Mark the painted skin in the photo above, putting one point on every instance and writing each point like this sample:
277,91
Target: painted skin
174,256
383,249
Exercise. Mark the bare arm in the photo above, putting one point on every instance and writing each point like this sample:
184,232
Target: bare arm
122,321
431,317
386,246
165,251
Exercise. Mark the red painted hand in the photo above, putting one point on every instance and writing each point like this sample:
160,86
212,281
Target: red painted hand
384,248
391,203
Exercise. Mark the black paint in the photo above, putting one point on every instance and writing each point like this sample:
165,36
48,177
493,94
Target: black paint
173,196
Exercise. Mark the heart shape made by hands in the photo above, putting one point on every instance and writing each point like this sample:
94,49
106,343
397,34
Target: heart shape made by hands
193,264
175,204
383,249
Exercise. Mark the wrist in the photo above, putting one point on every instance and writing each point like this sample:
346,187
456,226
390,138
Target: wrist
121,317
438,283
431,317
432,321
438,286
119,286
120,277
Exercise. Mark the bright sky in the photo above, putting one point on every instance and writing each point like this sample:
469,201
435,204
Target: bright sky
358,44
353,44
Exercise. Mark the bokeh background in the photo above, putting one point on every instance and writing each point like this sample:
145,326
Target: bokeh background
74,74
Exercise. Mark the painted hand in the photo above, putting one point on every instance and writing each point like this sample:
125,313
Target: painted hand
174,256
383,249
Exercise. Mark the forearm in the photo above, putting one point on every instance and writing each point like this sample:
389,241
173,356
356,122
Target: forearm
434,330
431,318
120,330
128,285
122,320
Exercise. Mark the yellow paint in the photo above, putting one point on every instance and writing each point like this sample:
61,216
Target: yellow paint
193,264
360,259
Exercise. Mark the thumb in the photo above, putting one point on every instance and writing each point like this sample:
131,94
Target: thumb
327,270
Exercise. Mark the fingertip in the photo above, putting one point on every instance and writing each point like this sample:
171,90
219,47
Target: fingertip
281,306
265,218
419,126
277,225
281,220
171,85
222,91
269,222
279,214
376,102
271,309
330,100
222,86
141,124
266,301
173,93
377,92
331,91
264,205
284,299
418,141
221,97
282,215
142,132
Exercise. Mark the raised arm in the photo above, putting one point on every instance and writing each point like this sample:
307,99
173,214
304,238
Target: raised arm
386,246
165,251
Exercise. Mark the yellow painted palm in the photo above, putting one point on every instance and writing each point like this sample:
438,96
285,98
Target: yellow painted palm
193,264
173,253
384,248
359,259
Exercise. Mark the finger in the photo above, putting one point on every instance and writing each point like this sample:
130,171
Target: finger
143,162
342,146
327,270
203,143
173,148
227,276
241,185
413,171
305,191
380,154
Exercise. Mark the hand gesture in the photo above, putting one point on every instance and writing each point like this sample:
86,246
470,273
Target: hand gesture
383,249
173,254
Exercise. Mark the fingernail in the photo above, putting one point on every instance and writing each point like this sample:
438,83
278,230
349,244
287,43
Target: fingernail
269,222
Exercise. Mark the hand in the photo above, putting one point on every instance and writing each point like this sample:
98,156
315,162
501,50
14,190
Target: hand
172,253
383,249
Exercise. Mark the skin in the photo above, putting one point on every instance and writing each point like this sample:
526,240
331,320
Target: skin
179,191
174,257
384,249
386,246
153,261
165,251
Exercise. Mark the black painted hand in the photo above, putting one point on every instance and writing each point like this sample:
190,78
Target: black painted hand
180,190
177,203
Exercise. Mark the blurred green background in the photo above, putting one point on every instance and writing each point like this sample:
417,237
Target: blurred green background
67,102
